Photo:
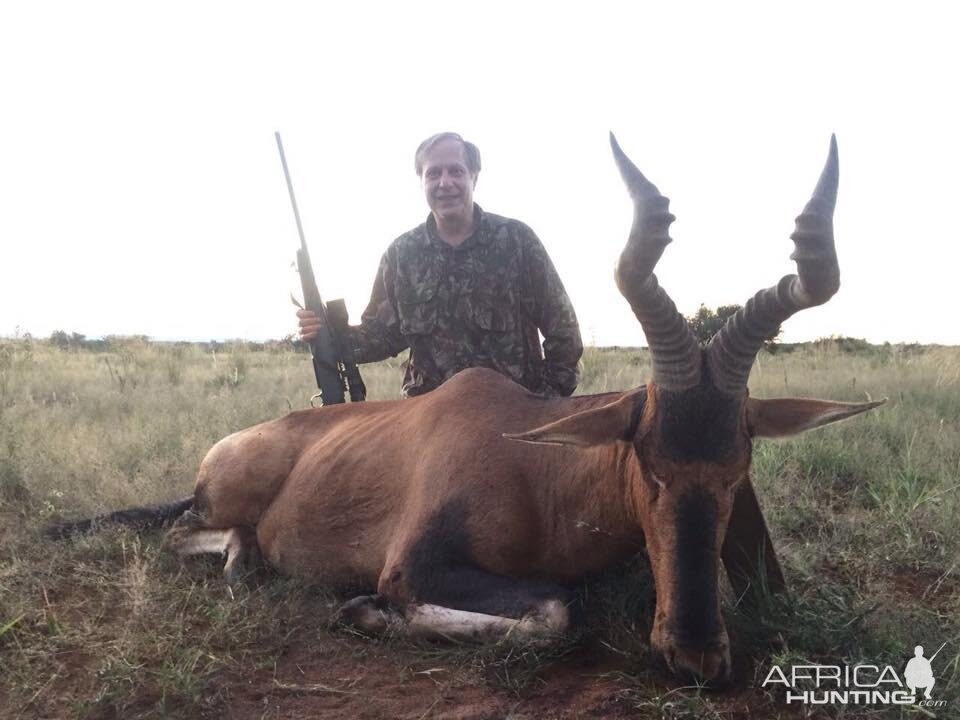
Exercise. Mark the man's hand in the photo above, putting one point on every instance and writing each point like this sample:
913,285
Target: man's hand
309,325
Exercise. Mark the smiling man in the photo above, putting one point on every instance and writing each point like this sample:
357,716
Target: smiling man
466,289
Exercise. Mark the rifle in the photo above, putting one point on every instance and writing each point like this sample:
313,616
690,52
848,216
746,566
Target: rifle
333,362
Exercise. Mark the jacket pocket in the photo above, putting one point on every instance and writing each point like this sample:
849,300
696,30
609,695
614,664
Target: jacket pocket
418,309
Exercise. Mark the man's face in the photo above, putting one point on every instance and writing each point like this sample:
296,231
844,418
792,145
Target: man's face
447,182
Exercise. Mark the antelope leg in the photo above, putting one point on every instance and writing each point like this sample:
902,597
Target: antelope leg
374,614
748,551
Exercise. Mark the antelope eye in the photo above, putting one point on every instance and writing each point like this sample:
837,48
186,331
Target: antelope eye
656,480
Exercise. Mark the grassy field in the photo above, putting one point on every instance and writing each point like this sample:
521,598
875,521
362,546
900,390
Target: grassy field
864,515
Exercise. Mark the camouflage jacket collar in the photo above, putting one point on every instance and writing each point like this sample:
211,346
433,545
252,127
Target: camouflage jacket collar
481,235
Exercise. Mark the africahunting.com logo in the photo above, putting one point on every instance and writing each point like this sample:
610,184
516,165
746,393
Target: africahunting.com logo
858,684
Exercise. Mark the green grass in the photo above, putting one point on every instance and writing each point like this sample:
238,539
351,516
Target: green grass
864,515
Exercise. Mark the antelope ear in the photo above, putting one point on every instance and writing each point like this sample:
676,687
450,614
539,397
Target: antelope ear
607,424
780,417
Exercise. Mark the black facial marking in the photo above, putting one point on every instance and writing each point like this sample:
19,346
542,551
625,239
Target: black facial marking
699,423
695,621
441,570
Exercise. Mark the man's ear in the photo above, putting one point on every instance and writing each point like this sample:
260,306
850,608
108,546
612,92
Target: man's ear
607,424
780,417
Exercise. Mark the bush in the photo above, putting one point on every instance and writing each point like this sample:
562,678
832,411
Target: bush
843,344
64,341
706,323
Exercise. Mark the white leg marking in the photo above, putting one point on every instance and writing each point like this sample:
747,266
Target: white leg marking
242,554
551,618
199,542
231,542
554,616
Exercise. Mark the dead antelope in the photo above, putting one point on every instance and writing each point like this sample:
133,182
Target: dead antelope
468,511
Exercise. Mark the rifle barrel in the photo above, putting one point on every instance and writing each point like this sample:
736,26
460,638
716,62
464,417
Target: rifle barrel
293,198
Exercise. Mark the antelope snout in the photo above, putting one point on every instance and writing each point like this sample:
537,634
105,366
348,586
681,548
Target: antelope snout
708,665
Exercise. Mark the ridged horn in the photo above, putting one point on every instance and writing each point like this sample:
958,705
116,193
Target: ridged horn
732,351
673,348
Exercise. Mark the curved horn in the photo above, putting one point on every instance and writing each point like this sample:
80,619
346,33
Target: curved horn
732,351
673,348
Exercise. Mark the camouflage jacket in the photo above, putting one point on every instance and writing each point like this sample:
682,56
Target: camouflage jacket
480,304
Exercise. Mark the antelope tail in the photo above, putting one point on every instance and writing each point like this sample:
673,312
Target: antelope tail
142,518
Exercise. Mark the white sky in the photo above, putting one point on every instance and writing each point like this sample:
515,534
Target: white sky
141,192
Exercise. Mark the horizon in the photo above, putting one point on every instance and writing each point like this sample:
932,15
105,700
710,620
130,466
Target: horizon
231,340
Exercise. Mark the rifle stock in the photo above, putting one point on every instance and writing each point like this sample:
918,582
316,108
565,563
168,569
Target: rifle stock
326,365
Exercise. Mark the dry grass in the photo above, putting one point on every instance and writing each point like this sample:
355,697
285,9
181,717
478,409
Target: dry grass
864,515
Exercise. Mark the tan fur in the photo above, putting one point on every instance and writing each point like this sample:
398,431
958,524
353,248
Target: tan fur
342,492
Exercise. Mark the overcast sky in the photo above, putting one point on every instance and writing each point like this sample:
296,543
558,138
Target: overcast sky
141,192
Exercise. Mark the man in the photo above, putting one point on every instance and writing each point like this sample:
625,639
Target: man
466,289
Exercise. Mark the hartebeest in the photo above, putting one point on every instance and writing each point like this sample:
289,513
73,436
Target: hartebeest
470,511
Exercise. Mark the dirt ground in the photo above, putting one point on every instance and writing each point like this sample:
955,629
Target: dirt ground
338,682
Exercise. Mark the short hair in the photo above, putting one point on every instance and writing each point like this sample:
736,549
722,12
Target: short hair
470,151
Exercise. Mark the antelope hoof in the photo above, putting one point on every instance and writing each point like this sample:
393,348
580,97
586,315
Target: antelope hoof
370,613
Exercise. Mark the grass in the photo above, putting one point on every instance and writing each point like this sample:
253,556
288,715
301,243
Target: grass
864,515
